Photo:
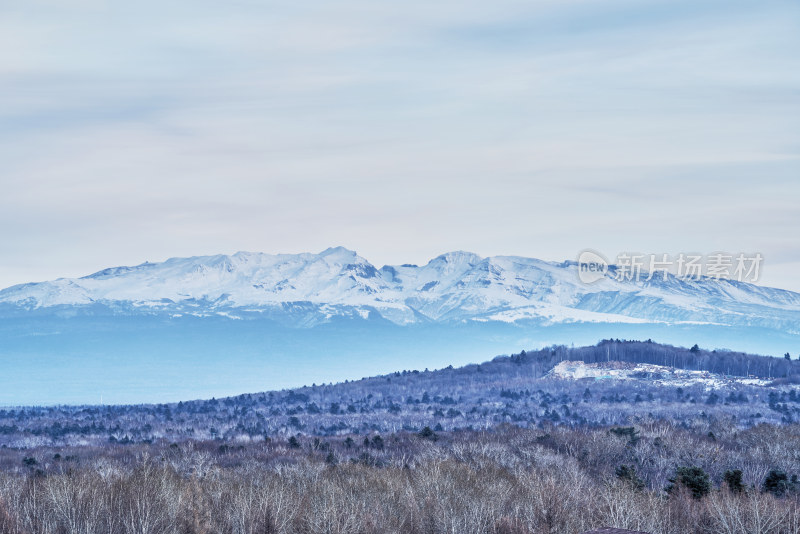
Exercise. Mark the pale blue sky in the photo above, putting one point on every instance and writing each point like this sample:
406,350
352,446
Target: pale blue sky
142,130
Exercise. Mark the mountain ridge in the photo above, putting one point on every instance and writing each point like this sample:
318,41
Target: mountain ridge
455,286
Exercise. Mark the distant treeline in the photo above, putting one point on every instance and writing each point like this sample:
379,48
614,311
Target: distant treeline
694,359
507,390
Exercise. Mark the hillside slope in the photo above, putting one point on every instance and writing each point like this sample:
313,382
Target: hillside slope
526,389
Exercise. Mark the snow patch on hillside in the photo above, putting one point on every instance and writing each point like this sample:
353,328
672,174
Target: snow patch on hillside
653,374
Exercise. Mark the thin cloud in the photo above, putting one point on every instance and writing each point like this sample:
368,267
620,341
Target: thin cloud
135,131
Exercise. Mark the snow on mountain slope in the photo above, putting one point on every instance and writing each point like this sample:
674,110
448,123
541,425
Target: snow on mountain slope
455,286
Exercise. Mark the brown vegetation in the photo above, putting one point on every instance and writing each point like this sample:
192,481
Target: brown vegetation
508,481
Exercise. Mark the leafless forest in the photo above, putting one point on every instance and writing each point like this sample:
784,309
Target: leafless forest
652,476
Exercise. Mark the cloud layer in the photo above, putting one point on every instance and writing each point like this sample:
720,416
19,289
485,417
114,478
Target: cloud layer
142,130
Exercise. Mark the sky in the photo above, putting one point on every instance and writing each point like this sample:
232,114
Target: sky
139,131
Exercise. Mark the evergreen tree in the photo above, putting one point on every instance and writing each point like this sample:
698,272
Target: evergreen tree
733,479
693,478
776,483
427,433
628,474
627,432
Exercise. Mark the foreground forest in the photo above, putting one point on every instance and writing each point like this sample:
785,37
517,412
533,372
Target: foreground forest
516,389
653,476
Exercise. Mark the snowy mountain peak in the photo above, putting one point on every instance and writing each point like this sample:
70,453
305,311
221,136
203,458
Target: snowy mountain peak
455,286
338,253
458,257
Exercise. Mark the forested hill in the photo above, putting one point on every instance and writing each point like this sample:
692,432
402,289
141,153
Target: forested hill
694,359
620,382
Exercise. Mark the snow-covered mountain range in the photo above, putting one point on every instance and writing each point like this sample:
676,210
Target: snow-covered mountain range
307,289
